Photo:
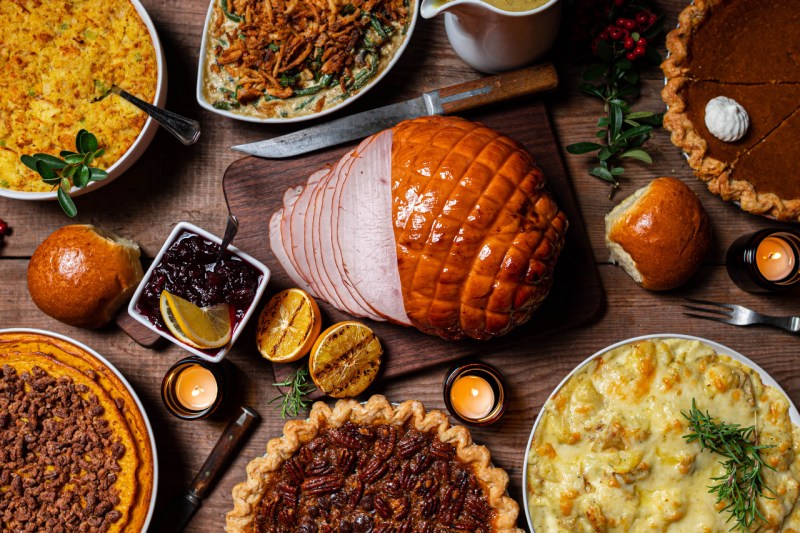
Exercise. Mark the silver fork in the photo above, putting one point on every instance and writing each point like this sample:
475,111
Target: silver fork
739,316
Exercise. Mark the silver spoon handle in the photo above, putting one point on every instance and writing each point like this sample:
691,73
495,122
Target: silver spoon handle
184,129
230,232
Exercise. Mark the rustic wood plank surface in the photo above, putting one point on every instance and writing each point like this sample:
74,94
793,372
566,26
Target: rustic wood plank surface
172,183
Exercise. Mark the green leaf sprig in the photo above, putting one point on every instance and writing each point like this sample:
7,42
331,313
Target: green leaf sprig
742,483
73,170
614,78
295,399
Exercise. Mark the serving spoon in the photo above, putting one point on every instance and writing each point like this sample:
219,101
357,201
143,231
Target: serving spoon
184,129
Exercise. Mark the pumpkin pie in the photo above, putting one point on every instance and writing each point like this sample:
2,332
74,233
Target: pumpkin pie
373,467
76,450
749,51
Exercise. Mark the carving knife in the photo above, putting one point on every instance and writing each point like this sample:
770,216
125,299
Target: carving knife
180,511
449,100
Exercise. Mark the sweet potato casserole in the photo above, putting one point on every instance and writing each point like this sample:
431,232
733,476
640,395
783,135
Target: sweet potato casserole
609,452
76,452
55,58
288,58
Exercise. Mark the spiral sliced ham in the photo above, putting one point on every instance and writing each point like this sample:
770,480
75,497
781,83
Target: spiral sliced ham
438,223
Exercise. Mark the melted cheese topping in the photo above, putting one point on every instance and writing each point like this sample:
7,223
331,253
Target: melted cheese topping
609,454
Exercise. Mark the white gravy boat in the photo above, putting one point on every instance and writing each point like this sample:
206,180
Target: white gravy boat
493,40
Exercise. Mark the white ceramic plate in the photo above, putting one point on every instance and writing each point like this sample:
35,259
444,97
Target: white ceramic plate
142,141
132,392
201,99
794,415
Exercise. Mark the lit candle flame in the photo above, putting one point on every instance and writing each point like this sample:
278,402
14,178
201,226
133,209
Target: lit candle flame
197,391
774,256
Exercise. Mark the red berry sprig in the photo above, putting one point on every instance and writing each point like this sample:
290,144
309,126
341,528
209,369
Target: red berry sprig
624,33
4,229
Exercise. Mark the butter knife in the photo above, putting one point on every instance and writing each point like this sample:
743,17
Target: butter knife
450,100
177,515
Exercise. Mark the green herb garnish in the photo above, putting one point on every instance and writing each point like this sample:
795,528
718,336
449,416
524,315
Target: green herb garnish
294,400
742,483
72,171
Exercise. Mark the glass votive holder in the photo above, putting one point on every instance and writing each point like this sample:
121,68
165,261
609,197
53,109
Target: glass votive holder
193,388
765,261
475,393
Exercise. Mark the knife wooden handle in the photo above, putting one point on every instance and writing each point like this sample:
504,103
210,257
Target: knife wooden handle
223,450
498,88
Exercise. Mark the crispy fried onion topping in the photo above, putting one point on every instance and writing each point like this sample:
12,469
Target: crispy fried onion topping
286,48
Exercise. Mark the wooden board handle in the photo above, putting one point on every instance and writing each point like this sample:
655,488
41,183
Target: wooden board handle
498,88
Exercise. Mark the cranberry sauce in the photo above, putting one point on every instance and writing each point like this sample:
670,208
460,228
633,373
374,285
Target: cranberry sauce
189,269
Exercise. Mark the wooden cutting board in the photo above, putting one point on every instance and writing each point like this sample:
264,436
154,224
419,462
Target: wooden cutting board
255,187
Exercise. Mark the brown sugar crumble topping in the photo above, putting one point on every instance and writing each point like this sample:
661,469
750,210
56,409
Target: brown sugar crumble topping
376,478
58,455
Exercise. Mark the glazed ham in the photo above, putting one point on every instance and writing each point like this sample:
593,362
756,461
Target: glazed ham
438,223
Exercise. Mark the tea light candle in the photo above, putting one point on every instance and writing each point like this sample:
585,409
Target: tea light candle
196,388
472,397
193,388
766,260
474,393
775,258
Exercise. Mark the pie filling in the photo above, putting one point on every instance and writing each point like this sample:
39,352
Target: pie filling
772,166
729,48
748,41
374,478
767,106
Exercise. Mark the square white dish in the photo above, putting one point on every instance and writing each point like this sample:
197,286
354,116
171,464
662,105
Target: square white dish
219,354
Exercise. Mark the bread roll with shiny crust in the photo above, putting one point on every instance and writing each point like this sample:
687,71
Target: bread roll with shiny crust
660,234
81,275
477,234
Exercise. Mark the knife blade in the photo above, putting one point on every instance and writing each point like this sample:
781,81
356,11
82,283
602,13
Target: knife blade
449,100
175,517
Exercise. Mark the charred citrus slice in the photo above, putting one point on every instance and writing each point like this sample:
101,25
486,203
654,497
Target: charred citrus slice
288,326
345,359
200,327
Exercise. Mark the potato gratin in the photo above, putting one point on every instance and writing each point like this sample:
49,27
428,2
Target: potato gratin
608,453
55,58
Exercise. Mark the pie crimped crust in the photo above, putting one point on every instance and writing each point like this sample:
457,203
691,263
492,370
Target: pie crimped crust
377,411
70,373
725,48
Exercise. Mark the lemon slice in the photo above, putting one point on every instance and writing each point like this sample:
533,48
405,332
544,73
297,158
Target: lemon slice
345,359
288,326
201,327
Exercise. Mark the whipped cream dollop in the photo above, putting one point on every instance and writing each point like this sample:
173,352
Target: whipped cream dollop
726,119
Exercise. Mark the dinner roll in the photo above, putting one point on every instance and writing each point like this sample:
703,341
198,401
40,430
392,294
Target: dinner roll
81,275
659,234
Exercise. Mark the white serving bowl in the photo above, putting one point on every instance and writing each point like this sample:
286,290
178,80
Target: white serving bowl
768,380
142,141
133,394
218,355
201,99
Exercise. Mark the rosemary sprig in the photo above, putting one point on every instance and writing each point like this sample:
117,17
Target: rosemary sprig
73,170
742,483
614,78
294,400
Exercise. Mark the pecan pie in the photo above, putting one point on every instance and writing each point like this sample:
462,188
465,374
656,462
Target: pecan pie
75,451
729,48
373,468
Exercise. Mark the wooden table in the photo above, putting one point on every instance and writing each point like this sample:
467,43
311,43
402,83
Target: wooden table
172,183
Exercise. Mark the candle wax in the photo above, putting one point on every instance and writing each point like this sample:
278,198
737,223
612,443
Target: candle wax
196,388
472,397
775,258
